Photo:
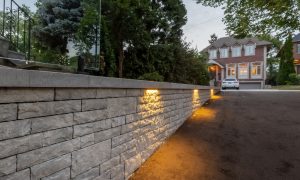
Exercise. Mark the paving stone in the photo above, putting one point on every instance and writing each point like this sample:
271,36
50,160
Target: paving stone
89,157
8,166
31,110
122,139
38,156
87,140
111,93
51,122
19,145
50,167
20,175
14,129
118,121
8,112
66,94
11,95
109,164
61,175
90,116
56,136
88,175
94,104
88,128
132,164
107,134
121,106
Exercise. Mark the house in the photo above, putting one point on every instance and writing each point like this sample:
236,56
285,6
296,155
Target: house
296,52
244,59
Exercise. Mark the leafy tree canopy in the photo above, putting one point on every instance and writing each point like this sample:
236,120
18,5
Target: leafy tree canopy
253,17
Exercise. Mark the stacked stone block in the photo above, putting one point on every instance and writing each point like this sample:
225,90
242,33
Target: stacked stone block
57,133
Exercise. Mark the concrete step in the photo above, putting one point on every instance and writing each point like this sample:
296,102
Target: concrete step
15,55
4,45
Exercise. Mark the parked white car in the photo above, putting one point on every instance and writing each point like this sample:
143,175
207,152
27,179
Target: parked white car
230,83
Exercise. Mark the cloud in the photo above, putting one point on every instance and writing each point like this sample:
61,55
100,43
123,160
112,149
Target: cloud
202,22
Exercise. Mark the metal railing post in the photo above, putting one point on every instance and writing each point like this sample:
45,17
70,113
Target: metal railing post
3,18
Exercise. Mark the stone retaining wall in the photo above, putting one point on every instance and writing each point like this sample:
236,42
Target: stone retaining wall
87,133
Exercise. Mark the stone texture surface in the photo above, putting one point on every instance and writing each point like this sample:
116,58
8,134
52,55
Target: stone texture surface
89,157
20,145
118,121
44,154
20,175
8,166
94,104
11,95
51,122
8,112
107,134
121,106
90,116
89,175
83,129
61,175
110,93
14,129
86,133
30,110
50,167
66,94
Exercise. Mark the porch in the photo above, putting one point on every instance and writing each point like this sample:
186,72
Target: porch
216,73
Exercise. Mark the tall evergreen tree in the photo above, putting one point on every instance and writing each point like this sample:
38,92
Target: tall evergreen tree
58,22
286,61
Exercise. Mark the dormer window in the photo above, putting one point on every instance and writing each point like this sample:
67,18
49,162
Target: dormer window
249,50
236,51
213,54
224,53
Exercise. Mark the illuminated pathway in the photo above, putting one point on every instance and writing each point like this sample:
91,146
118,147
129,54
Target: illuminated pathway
242,135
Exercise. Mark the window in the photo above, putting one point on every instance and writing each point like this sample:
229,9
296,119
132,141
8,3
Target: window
231,71
236,51
224,53
298,48
256,70
249,50
213,54
243,71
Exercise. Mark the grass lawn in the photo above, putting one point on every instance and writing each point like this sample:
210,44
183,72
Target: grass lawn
287,87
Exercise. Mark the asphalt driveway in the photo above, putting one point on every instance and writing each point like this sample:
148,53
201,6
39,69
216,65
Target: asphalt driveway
241,135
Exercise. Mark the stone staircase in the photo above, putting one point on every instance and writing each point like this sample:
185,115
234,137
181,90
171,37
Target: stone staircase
18,60
9,57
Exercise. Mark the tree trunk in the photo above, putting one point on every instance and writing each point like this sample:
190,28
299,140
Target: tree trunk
121,60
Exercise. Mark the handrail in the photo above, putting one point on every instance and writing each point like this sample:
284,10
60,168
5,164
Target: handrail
16,27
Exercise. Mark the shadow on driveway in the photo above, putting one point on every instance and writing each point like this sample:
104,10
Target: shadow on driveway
241,135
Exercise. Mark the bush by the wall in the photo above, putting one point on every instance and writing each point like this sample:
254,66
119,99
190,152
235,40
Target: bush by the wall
294,79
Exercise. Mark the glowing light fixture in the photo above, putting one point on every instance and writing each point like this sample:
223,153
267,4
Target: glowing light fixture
151,91
212,93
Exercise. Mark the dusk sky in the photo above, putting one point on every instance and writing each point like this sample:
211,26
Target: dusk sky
202,22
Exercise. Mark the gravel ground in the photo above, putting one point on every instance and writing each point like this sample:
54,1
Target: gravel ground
238,135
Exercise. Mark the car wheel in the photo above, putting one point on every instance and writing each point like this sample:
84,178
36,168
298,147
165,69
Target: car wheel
238,88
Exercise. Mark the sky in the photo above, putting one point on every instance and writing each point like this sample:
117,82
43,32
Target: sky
202,22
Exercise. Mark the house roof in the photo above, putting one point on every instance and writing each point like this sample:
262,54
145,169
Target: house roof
230,41
296,38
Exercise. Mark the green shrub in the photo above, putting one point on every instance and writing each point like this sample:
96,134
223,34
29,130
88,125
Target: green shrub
155,76
294,79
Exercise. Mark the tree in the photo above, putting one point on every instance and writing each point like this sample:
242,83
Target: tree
252,17
213,38
58,22
286,61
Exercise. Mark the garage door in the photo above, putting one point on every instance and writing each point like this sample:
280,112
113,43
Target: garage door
250,85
